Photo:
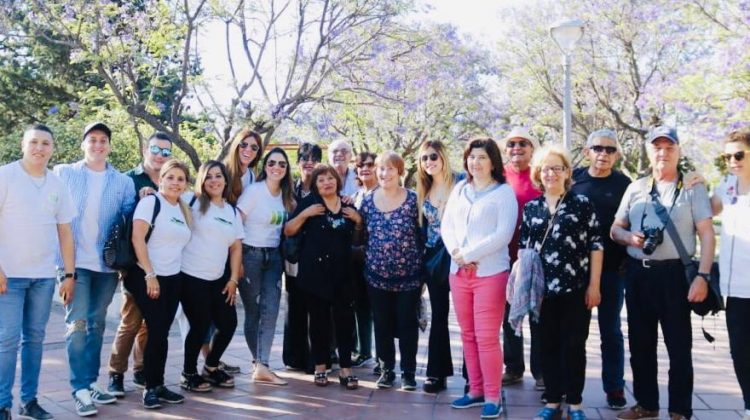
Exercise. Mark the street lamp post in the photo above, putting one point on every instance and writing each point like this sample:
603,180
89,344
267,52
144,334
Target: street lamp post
566,35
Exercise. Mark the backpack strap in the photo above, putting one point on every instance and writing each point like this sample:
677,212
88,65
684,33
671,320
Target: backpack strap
192,200
157,209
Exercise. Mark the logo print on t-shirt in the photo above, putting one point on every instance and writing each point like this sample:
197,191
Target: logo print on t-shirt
277,217
177,221
223,221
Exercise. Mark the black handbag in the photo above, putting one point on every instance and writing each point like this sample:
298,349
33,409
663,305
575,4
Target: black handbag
290,246
437,262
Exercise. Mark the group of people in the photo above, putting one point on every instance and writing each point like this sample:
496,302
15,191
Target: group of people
531,235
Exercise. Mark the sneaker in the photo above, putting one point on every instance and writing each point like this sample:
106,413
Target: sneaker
467,402
548,413
616,400
386,380
228,368
151,398
377,370
510,378
637,412
434,385
218,377
539,384
139,379
194,383
167,396
576,414
116,386
100,396
676,416
5,413
408,383
32,410
360,360
84,405
491,411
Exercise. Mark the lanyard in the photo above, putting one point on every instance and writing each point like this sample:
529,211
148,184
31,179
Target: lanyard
654,196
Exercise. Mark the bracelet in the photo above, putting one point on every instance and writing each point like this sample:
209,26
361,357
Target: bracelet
150,275
236,282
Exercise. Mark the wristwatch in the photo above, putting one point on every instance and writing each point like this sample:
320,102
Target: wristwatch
62,277
706,276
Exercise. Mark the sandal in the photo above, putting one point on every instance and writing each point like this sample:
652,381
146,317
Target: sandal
194,383
351,382
218,377
321,379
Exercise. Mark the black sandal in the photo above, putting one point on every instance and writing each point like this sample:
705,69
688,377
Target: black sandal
351,382
194,383
434,385
321,379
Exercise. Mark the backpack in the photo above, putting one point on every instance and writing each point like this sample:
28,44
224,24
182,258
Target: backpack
119,253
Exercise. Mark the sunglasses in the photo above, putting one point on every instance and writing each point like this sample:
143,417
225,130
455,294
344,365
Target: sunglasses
432,156
520,143
253,147
738,156
156,150
609,149
308,158
271,163
366,165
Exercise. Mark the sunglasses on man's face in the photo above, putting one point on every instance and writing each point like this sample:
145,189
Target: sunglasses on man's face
309,158
366,165
271,163
608,149
738,156
520,143
253,147
156,150
432,156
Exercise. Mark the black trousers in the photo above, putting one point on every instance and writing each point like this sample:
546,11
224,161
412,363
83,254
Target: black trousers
564,328
439,361
658,296
362,310
396,315
204,304
296,350
738,327
321,329
158,314
513,349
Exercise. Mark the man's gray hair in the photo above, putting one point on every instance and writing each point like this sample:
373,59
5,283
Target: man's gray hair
606,133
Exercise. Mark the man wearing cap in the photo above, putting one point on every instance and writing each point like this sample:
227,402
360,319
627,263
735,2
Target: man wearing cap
35,215
605,187
132,328
339,156
657,292
100,193
519,146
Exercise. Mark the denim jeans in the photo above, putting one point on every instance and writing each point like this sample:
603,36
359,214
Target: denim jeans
24,312
85,319
613,345
260,292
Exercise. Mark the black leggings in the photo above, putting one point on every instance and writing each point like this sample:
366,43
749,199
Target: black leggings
738,314
320,329
158,314
204,304
395,315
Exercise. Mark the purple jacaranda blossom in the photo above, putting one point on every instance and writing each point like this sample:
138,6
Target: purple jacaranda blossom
53,110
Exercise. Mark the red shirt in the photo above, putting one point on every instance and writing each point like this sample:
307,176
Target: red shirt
525,192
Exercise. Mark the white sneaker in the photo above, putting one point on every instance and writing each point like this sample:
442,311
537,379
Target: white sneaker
100,396
84,405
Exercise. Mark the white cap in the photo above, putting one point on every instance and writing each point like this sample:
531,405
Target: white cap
520,132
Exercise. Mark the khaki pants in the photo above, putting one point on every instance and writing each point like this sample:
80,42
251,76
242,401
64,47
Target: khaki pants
132,328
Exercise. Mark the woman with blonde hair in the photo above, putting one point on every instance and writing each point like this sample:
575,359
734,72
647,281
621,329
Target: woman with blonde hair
244,154
434,184
155,281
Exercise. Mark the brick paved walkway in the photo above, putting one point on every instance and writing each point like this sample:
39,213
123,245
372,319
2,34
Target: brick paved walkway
717,395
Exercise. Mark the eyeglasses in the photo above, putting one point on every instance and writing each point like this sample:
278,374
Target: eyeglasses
341,151
308,158
253,147
520,143
271,163
738,156
432,156
156,150
609,149
556,169
366,165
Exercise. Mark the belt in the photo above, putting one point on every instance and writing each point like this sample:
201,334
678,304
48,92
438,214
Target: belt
257,248
647,263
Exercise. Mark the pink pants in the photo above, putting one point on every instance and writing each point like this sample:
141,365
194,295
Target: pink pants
480,307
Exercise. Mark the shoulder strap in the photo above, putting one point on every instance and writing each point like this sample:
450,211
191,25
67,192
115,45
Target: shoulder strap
192,200
661,211
157,209
552,221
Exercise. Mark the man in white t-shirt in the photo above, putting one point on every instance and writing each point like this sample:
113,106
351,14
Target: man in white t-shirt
101,194
36,211
339,156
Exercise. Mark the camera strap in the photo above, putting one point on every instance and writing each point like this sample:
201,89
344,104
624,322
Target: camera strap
665,218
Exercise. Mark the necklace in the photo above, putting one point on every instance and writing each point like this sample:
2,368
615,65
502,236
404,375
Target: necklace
36,181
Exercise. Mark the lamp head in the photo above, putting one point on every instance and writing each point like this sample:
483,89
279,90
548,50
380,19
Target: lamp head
566,34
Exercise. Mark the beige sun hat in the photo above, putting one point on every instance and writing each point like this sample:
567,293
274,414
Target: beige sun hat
520,132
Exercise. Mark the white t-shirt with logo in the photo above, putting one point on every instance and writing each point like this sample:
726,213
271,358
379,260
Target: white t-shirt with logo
169,236
88,255
206,254
30,210
734,255
264,216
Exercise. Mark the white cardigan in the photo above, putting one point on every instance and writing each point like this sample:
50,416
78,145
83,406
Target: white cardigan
480,228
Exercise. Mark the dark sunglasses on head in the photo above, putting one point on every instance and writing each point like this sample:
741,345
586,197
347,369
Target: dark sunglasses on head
271,163
609,149
432,156
366,165
253,147
156,150
738,156
520,143
308,158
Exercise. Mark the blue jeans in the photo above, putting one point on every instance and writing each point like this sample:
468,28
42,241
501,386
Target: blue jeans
24,312
260,292
85,319
613,344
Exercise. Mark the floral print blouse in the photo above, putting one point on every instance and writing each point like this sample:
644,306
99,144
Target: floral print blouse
393,259
574,234
432,215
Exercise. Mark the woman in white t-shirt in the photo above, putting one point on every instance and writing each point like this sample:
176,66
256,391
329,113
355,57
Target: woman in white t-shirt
732,199
208,292
243,157
155,282
265,206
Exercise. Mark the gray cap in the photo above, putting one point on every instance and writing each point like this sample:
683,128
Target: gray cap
665,132
97,126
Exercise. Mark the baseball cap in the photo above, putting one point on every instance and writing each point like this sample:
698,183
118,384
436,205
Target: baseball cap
97,126
665,132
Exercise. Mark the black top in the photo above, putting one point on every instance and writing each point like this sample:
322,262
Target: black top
606,194
140,180
325,254
574,234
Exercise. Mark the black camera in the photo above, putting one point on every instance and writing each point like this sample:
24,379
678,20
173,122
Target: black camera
653,237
